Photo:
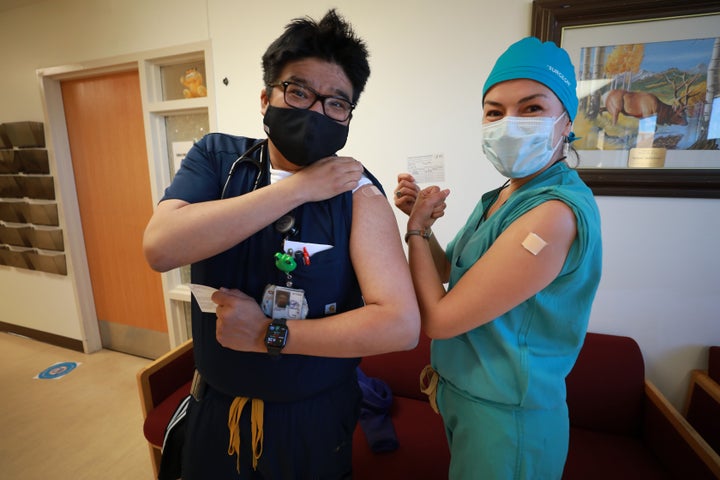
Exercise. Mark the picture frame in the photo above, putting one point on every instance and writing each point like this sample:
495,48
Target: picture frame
550,21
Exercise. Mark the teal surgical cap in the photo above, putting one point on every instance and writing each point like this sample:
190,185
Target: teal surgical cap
543,62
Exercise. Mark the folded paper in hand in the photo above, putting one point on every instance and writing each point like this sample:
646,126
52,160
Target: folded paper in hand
202,294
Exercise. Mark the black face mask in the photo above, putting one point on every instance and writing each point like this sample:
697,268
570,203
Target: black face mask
304,136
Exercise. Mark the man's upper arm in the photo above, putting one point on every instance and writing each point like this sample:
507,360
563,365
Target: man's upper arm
376,249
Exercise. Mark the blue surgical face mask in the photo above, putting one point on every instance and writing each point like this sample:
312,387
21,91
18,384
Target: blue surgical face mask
520,146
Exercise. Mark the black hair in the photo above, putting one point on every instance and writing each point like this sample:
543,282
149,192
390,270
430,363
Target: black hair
331,39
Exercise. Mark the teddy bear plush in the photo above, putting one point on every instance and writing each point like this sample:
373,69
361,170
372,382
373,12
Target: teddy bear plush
192,81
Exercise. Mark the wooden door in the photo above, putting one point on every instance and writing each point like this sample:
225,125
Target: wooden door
107,143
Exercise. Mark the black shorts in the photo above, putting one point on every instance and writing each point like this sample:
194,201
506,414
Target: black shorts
306,440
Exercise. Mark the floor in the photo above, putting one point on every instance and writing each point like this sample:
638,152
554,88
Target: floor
86,424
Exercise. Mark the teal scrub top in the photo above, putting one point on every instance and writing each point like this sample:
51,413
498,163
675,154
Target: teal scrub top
521,358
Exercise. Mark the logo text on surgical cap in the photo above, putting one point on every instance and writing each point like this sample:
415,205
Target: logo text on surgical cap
557,72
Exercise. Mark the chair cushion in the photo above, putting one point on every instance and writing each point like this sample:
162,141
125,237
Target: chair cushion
597,455
400,370
423,453
159,417
606,387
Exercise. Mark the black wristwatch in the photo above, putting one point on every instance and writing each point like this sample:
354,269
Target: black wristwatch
276,336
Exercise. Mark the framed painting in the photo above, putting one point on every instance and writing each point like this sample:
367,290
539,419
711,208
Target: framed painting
649,88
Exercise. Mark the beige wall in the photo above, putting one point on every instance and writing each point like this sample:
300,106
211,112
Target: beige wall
661,281
64,32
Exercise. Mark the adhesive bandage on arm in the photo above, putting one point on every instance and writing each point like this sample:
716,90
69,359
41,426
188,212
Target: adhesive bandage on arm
533,243
371,191
364,180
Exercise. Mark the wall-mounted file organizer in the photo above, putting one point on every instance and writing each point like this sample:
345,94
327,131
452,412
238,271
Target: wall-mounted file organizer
30,233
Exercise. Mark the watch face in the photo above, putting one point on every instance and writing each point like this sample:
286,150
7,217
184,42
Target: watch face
276,335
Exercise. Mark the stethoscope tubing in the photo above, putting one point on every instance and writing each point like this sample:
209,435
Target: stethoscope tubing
245,157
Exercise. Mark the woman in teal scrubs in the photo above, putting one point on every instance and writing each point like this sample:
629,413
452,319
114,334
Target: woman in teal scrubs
522,274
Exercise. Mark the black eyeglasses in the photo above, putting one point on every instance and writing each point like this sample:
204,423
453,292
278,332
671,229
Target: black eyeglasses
304,97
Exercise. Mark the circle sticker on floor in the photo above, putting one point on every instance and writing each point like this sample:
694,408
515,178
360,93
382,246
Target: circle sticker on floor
56,371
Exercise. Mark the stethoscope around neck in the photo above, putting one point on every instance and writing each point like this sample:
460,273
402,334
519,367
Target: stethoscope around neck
258,162
286,224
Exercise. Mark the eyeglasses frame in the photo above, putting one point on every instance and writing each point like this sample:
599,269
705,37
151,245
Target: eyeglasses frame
318,97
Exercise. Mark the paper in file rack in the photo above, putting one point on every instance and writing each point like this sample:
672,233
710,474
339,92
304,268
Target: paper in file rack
32,160
40,213
14,257
33,259
15,234
46,238
47,261
36,212
27,160
9,212
9,162
36,186
4,140
24,235
25,134
27,186
9,187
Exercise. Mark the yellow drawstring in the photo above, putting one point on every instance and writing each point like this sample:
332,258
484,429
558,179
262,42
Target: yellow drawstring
256,425
428,385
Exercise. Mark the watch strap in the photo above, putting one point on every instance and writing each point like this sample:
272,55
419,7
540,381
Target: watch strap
426,234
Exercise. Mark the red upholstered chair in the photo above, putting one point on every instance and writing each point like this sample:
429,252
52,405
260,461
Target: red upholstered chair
162,385
702,404
621,426
423,451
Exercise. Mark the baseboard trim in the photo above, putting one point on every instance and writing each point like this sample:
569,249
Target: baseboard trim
137,341
51,338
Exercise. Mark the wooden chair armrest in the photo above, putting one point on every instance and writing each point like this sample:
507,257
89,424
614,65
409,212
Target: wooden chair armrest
702,407
144,376
708,384
702,380
683,428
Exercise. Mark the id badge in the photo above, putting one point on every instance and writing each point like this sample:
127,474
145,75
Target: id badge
284,302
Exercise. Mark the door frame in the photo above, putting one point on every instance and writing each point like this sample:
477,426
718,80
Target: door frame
148,65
